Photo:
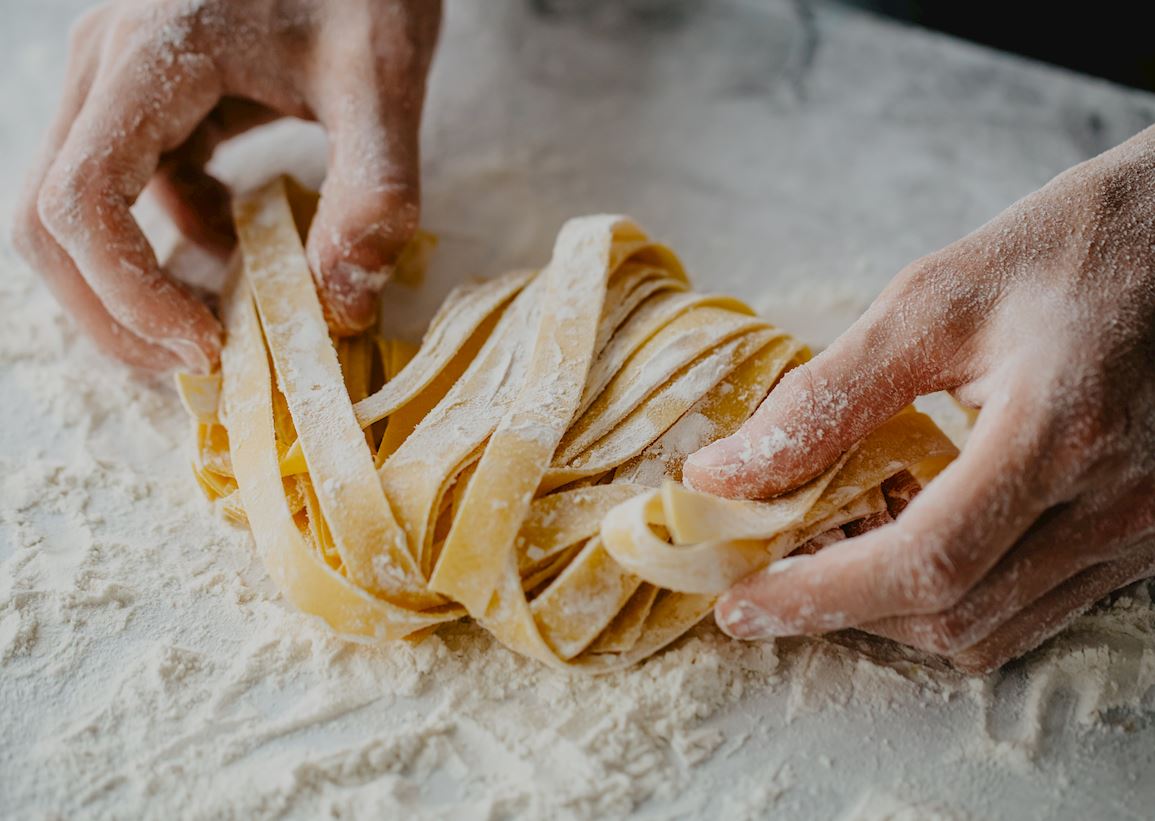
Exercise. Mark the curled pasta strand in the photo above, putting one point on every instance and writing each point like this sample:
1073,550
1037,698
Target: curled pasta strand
522,465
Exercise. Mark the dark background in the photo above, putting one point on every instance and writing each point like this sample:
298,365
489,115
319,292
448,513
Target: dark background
1114,40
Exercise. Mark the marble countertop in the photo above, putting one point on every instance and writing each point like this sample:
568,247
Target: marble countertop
797,154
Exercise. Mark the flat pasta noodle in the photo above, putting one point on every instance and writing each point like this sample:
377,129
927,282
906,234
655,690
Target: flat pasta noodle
522,465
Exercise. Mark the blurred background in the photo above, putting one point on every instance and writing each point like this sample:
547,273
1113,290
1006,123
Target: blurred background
1109,39
797,152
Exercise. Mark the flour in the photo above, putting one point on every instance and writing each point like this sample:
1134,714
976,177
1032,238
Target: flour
146,658
100,555
148,670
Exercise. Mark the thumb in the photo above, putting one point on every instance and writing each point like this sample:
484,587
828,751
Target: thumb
820,409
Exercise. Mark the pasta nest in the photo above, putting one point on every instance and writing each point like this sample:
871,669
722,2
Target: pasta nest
522,465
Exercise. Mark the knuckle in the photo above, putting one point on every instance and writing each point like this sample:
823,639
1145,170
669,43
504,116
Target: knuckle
75,188
57,201
1110,187
907,329
919,283
919,272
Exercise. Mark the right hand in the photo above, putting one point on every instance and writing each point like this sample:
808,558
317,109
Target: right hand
153,86
1044,318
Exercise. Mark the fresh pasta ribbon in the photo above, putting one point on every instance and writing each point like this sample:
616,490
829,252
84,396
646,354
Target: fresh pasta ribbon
522,465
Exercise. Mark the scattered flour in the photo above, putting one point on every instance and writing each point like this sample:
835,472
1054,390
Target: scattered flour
148,670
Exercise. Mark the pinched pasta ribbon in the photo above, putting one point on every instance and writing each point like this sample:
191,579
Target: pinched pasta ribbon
522,465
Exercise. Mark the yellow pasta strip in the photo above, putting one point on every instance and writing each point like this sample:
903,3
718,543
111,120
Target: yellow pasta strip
304,579
520,449
626,628
371,544
582,600
454,324
200,394
715,542
521,464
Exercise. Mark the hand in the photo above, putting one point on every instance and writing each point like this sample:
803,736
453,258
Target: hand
155,85
1045,319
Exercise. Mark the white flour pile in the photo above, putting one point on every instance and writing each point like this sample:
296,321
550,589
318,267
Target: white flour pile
147,670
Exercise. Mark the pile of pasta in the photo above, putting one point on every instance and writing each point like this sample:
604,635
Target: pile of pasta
522,465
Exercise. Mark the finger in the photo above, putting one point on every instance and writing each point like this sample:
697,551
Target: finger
896,351
1064,543
945,541
197,202
369,101
1056,610
109,155
37,245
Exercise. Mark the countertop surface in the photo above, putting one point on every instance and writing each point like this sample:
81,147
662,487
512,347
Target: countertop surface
796,154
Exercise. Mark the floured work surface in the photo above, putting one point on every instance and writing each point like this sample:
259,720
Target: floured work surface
521,465
148,666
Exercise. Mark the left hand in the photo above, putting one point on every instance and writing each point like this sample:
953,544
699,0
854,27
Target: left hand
1044,318
154,86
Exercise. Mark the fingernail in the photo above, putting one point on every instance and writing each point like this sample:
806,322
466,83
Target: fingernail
783,564
713,456
741,448
190,354
743,619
